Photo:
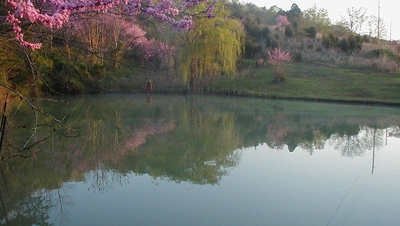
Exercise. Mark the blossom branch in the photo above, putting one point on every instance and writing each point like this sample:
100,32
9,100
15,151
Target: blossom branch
56,13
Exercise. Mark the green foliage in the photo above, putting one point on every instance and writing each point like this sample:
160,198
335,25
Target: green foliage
329,41
13,69
317,18
359,41
280,75
252,28
66,78
311,32
265,32
288,32
61,74
298,57
366,38
274,44
246,63
44,64
352,43
294,13
251,49
82,70
268,41
295,25
259,15
355,42
380,53
17,66
344,45
98,71
214,47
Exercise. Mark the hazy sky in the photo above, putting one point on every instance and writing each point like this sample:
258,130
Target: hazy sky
336,8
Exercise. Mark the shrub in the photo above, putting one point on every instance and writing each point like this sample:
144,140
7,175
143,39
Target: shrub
366,39
344,45
265,32
268,42
355,42
98,71
274,44
298,57
288,32
66,78
383,53
251,49
352,43
311,32
329,41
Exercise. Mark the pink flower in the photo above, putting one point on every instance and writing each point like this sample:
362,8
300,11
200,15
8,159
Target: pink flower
56,13
277,57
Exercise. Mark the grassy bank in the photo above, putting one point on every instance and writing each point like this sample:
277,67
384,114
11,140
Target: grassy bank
305,82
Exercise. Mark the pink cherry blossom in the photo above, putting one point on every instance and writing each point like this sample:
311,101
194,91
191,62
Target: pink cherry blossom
278,57
122,28
56,13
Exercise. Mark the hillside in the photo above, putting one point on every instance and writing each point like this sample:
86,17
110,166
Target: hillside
311,37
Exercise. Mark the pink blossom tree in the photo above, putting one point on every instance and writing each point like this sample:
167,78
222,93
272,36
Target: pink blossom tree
109,36
56,13
279,58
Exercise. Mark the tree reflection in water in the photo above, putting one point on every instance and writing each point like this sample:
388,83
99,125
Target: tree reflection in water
197,140
358,144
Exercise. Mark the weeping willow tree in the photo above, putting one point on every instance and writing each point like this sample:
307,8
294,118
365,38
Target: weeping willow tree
213,47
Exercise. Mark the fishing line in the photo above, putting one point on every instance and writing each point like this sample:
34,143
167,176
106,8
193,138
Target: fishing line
361,191
348,191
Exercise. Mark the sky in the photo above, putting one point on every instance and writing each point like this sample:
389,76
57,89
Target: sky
336,9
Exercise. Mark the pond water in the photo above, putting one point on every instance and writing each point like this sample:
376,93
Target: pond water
203,160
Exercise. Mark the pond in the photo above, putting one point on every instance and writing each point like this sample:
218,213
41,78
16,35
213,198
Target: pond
203,160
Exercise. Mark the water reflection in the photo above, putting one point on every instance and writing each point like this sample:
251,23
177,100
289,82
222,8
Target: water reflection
197,140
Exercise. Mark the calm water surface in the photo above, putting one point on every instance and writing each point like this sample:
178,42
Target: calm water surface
191,160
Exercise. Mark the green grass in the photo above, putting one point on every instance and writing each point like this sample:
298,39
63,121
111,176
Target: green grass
316,83
303,82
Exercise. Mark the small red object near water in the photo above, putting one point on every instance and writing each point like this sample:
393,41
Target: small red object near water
149,85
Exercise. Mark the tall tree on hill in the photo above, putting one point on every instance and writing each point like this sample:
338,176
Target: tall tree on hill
354,19
294,14
317,18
